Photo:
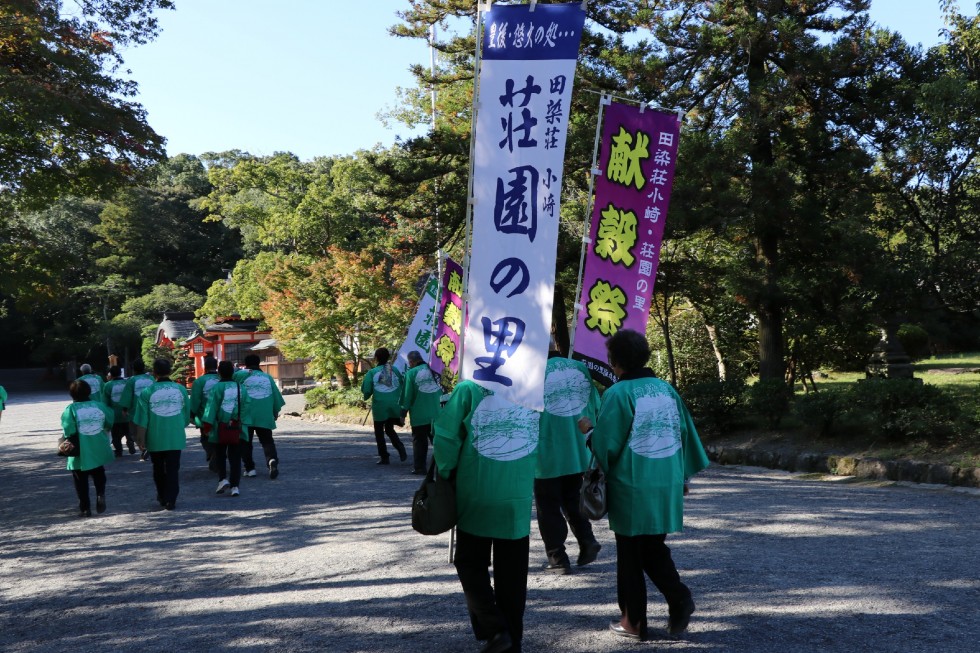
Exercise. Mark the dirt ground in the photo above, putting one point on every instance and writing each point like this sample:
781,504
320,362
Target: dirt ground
324,558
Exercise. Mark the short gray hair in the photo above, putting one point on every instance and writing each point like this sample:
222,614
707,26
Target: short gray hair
85,368
415,357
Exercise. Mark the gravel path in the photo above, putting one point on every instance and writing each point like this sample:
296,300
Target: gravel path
324,558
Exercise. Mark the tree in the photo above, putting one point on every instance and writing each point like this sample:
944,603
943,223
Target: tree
69,125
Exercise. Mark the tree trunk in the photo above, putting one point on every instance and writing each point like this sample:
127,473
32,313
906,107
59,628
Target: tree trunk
713,337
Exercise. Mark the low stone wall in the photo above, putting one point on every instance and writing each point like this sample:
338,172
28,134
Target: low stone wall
867,468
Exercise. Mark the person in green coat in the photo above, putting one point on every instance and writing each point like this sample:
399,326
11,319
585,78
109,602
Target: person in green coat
200,391
94,381
112,393
569,395
3,401
163,412
384,383
491,446
135,385
92,421
645,442
225,402
264,402
420,401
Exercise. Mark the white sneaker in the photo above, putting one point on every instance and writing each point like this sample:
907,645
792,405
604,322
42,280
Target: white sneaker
234,490
250,473
223,485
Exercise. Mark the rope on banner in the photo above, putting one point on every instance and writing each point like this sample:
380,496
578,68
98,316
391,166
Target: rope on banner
604,100
641,103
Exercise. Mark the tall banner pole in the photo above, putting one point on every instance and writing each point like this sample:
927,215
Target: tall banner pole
604,100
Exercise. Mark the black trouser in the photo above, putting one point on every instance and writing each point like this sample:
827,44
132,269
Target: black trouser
268,447
498,607
119,430
646,553
80,479
166,474
556,500
233,453
387,427
421,436
207,446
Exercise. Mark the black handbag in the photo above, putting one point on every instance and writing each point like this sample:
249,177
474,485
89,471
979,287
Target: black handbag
592,502
434,504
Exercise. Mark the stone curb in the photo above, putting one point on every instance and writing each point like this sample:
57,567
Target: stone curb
867,468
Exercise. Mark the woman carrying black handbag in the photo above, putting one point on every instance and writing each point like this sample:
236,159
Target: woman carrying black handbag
90,422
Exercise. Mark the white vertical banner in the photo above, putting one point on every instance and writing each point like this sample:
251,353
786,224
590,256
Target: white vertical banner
419,335
525,88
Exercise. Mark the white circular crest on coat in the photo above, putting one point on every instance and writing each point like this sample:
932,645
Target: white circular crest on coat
503,430
258,386
90,420
230,399
92,383
209,383
382,385
117,391
566,389
656,431
141,383
166,402
426,381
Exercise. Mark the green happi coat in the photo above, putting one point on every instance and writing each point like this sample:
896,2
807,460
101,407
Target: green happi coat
200,391
163,409
386,390
135,385
221,405
492,445
95,382
112,394
420,395
264,399
92,420
568,395
3,398
646,443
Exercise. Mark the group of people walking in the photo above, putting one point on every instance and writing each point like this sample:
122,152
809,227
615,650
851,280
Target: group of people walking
151,411
501,457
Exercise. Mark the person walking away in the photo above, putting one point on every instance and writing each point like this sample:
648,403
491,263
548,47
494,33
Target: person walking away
383,383
420,401
94,381
3,401
135,385
224,403
264,402
569,395
200,391
92,421
646,443
163,411
112,394
491,446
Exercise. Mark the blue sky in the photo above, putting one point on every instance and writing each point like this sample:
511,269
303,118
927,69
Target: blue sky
310,76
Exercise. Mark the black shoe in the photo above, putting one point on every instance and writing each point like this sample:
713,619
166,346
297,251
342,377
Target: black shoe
680,618
170,505
119,454
84,512
498,643
132,450
559,568
100,505
161,501
402,454
418,471
383,461
273,469
588,553
618,628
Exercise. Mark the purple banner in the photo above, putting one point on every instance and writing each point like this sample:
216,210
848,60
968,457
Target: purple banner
444,356
639,152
